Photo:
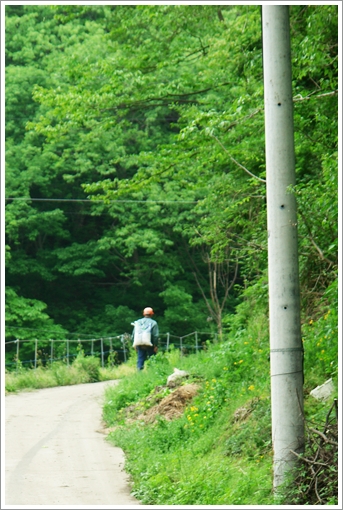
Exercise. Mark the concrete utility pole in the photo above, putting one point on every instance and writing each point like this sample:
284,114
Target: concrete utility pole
286,352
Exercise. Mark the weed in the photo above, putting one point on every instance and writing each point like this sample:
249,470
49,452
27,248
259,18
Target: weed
82,370
90,365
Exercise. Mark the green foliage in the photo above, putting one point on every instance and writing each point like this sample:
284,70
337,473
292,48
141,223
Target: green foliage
320,338
82,370
318,231
142,103
167,454
90,365
25,315
227,426
59,374
131,389
251,438
155,114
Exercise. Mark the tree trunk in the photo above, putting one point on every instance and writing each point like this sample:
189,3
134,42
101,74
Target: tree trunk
286,352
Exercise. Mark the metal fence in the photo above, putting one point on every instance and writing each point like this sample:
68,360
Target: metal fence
102,347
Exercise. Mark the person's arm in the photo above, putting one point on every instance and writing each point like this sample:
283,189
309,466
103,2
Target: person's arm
154,336
133,336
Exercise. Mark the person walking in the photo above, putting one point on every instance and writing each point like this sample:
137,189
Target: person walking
143,327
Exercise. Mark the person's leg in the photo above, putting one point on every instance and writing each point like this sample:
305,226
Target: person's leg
150,352
141,356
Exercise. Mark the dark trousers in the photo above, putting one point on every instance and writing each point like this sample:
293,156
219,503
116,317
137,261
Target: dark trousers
143,353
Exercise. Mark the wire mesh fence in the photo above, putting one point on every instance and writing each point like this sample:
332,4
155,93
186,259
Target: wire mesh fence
111,350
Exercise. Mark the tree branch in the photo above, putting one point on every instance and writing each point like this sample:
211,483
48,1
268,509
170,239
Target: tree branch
321,254
308,461
323,436
163,100
244,118
204,296
299,97
236,162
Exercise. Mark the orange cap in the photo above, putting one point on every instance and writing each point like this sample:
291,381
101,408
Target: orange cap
148,311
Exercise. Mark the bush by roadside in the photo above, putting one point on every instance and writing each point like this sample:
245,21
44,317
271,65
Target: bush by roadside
82,370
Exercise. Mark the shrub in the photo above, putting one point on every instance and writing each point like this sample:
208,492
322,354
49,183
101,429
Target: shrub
90,365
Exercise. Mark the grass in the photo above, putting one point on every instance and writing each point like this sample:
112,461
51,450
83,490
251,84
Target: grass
207,456
219,451
82,370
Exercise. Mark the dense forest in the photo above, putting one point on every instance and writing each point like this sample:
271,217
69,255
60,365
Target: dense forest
135,166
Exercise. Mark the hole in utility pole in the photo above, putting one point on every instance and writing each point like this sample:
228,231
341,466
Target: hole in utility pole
279,104
282,206
285,307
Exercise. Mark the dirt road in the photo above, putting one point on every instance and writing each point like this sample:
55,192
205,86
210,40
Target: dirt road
55,452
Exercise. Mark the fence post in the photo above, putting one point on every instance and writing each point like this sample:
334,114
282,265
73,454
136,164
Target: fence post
51,350
196,342
17,354
123,342
92,347
180,345
67,352
111,350
36,349
168,335
102,352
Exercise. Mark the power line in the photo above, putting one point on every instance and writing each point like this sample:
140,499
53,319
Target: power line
29,199
46,330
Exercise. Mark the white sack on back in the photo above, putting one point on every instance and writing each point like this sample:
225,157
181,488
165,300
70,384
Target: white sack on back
142,336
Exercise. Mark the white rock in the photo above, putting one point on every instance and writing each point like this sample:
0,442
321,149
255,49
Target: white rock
174,378
324,391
